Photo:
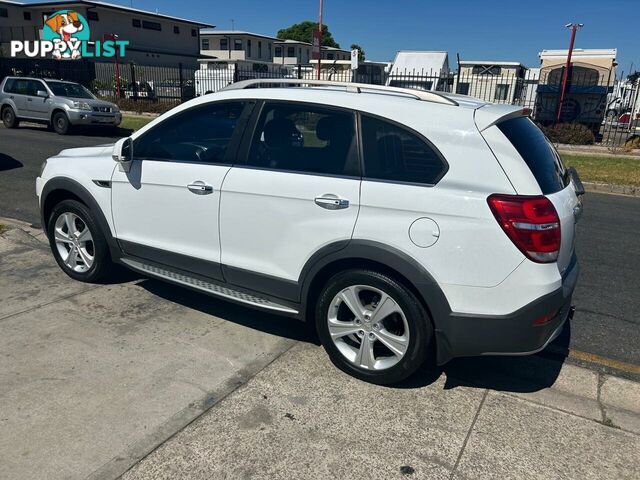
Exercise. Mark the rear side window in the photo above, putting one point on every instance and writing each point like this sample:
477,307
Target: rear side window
396,154
305,138
537,152
9,85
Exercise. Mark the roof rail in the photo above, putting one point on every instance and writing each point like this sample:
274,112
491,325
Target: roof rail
424,95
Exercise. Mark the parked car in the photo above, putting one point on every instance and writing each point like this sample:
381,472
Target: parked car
56,103
402,223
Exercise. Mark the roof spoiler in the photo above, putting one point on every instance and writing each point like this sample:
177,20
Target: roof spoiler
491,114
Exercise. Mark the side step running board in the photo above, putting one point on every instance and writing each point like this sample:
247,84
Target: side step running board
211,288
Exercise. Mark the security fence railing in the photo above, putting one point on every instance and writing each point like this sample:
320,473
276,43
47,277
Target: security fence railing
595,108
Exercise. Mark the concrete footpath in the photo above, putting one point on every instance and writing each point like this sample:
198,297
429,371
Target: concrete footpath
146,380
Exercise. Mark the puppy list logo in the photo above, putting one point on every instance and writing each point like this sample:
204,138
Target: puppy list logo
65,36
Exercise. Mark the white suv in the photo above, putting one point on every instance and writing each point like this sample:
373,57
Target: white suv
401,222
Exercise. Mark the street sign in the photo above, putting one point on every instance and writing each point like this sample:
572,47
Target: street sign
354,58
317,36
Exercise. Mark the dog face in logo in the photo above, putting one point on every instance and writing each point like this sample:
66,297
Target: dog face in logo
66,25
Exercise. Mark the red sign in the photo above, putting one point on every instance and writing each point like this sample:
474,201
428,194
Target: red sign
317,37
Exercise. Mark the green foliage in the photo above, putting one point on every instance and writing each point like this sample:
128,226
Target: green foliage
361,54
303,32
633,77
569,134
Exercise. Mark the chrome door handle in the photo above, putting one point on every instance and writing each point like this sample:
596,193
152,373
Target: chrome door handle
332,202
200,188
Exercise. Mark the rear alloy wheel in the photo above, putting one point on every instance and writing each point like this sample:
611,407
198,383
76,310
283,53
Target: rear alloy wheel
372,327
9,118
60,123
77,242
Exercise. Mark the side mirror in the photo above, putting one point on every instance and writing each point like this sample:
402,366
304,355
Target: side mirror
42,93
123,151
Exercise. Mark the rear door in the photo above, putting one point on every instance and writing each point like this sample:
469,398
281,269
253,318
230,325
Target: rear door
545,165
18,90
295,190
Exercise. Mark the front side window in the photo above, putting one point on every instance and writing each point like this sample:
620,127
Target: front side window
305,138
395,154
201,134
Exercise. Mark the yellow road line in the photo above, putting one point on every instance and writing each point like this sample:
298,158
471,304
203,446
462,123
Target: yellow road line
607,362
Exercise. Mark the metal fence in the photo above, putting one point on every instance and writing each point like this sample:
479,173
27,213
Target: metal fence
596,106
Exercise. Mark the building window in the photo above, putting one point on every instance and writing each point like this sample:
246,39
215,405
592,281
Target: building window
176,29
484,70
205,44
237,44
330,56
224,44
4,12
291,52
259,49
136,22
26,15
269,49
91,15
278,51
151,25
502,91
463,88
194,32
249,48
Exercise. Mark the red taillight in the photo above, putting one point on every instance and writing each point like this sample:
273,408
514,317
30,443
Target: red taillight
531,223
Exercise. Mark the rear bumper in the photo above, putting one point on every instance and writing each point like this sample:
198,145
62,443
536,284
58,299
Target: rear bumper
513,334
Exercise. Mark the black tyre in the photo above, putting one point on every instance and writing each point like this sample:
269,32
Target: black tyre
372,326
77,242
9,118
60,123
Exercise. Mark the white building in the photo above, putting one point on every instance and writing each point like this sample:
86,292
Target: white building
236,45
491,80
423,70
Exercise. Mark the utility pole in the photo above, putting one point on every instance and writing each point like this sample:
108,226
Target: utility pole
574,28
319,39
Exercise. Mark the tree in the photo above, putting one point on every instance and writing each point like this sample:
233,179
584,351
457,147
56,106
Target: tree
361,53
303,32
634,77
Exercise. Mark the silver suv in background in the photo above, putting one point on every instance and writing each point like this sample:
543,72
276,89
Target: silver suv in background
56,103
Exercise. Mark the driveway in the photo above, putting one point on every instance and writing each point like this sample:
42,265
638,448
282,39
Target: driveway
93,375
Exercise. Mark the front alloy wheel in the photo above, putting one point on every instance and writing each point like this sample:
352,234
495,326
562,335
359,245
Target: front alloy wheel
77,242
74,242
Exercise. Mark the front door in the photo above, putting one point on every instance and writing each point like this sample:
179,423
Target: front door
165,208
298,191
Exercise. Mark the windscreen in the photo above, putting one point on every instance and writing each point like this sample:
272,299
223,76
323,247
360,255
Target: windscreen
72,90
537,152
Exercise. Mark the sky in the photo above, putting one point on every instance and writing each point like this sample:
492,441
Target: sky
513,30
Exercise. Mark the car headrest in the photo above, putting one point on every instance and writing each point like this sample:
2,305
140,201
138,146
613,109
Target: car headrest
279,133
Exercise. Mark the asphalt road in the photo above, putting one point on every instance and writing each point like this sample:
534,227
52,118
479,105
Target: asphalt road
607,298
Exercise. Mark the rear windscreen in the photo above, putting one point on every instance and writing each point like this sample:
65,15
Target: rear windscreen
537,152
